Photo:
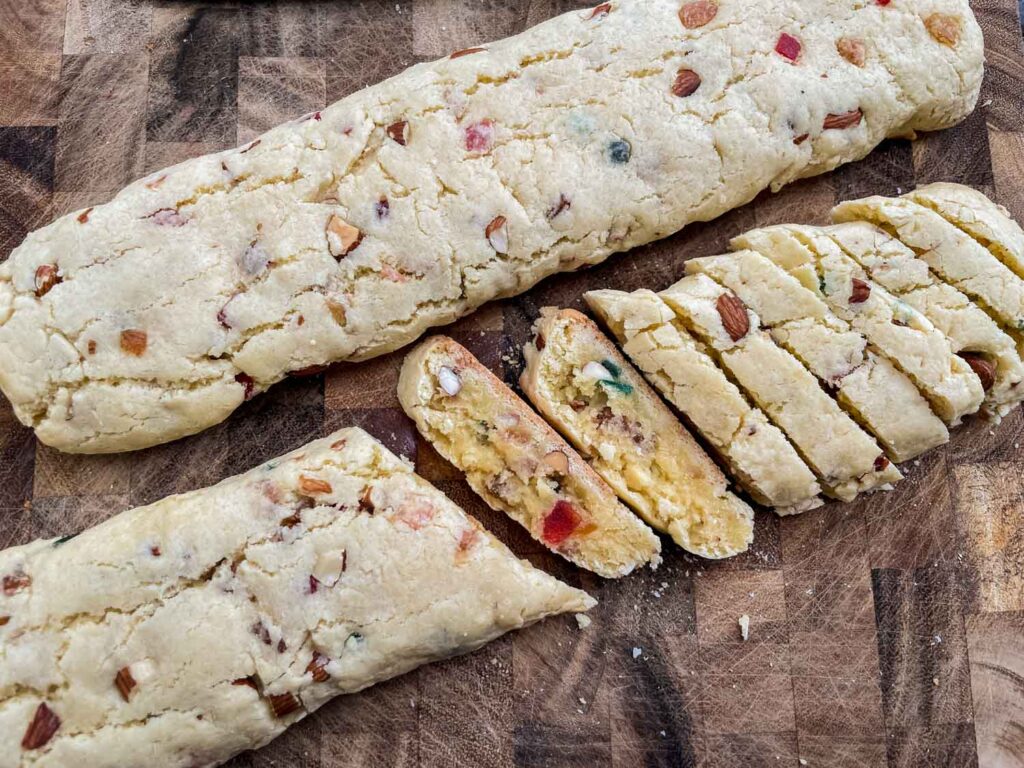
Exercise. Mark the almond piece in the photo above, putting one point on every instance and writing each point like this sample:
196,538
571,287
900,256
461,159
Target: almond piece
366,500
602,10
46,278
316,667
284,704
342,237
399,132
92,346
83,217
563,204
984,368
697,13
125,682
466,52
449,381
852,49
558,461
39,732
248,385
881,463
842,120
313,485
16,582
944,28
859,292
687,81
248,682
134,342
497,234
337,312
734,316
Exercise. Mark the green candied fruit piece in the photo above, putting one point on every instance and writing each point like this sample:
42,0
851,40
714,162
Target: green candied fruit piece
64,539
619,386
613,369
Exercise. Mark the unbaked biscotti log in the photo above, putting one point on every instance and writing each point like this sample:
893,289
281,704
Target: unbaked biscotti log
846,459
187,631
972,333
347,233
517,463
906,336
756,452
882,399
587,390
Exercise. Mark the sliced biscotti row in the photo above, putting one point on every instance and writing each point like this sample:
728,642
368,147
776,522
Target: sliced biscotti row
952,254
846,459
187,631
973,334
348,232
580,382
755,451
880,397
986,221
905,336
517,463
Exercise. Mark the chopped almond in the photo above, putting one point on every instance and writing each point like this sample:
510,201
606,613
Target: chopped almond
314,485
125,682
42,728
134,342
284,704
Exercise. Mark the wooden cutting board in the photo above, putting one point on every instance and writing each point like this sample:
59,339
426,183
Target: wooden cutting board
886,632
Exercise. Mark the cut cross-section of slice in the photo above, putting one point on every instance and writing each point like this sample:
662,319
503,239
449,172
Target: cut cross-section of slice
845,458
755,451
881,398
905,336
584,387
517,463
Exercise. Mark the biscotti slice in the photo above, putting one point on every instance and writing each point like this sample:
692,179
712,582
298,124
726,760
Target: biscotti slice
981,218
756,452
903,335
584,387
882,399
846,459
951,254
973,335
187,631
517,463
346,233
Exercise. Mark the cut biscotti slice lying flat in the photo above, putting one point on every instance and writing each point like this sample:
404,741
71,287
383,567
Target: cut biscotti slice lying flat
881,398
583,386
906,337
981,218
845,458
951,254
185,632
756,452
972,334
347,233
517,463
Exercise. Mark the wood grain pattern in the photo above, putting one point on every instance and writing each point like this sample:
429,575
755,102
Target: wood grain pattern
888,632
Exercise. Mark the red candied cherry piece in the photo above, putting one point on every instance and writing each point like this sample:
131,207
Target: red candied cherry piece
560,523
788,47
480,136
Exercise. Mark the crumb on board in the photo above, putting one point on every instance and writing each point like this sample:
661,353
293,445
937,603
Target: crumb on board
583,620
744,626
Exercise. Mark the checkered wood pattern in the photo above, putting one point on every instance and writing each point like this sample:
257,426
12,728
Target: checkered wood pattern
889,632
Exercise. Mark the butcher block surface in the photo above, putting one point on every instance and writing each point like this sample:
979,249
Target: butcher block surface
888,632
